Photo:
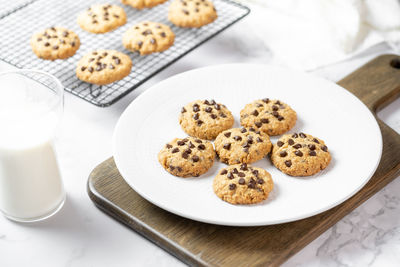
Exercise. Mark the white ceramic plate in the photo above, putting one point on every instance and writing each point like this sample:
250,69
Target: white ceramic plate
324,110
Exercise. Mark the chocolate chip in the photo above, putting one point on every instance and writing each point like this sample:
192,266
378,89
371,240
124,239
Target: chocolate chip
279,143
275,114
295,135
302,135
264,120
241,174
266,100
246,144
175,150
283,154
94,53
223,172
228,134
198,141
260,181
196,108
258,124
227,146
311,146
105,54
180,143
168,146
196,9
185,140
217,106
199,122
254,113
243,167
324,148
246,149
195,158
237,138
235,171
179,169
106,18
115,16
222,115
230,175
232,187
90,69
298,153
47,44
291,142
196,116
94,21
288,163
171,167
117,61
65,34
185,11
183,110
252,183
312,153
206,102
201,147
146,32
99,68
255,172
185,155
140,43
91,59
111,66
243,130
297,146
212,102
62,41
251,129
242,181
259,140
39,39
189,151
208,109
275,108
315,141
191,145
83,68
72,43
163,34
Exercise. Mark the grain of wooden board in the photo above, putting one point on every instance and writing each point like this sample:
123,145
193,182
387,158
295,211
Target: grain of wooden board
377,84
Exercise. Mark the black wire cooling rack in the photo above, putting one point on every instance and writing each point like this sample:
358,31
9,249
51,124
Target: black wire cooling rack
17,27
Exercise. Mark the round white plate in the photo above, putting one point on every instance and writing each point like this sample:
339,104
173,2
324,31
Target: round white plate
324,109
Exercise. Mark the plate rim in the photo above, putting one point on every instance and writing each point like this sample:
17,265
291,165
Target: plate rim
245,224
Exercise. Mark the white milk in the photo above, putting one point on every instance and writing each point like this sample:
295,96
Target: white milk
30,181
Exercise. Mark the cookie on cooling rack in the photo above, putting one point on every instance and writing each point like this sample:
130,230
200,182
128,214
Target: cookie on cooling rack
55,43
140,4
300,154
187,157
148,37
191,13
205,119
243,184
242,145
103,67
272,117
102,18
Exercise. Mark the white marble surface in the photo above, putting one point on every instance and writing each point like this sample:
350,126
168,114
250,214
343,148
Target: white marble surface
81,235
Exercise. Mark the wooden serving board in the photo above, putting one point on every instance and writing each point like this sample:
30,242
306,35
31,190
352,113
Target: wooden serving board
377,83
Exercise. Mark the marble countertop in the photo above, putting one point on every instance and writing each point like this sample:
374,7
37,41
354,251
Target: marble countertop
81,235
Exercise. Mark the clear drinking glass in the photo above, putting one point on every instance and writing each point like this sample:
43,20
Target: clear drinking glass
31,106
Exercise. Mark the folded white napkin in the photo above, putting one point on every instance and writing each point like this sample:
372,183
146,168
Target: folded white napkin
307,34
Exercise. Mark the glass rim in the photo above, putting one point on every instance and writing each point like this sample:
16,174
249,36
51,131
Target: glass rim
56,103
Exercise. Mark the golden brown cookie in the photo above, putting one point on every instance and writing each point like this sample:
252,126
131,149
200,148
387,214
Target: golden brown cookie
148,37
300,154
205,119
55,43
140,4
187,157
242,145
272,117
191,13
242,184
102,18
103,67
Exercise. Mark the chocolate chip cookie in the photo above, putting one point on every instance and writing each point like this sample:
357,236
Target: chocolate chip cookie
148,37
300,154
242,145
140,4
242,184
205,119
103,67
187,157
55,43
102,18
272,117
191,13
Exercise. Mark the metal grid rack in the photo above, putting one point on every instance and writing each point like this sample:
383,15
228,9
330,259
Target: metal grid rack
39,14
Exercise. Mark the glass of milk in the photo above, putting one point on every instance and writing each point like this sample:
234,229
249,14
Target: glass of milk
31,105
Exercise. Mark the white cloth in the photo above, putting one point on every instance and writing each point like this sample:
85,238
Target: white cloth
307,34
